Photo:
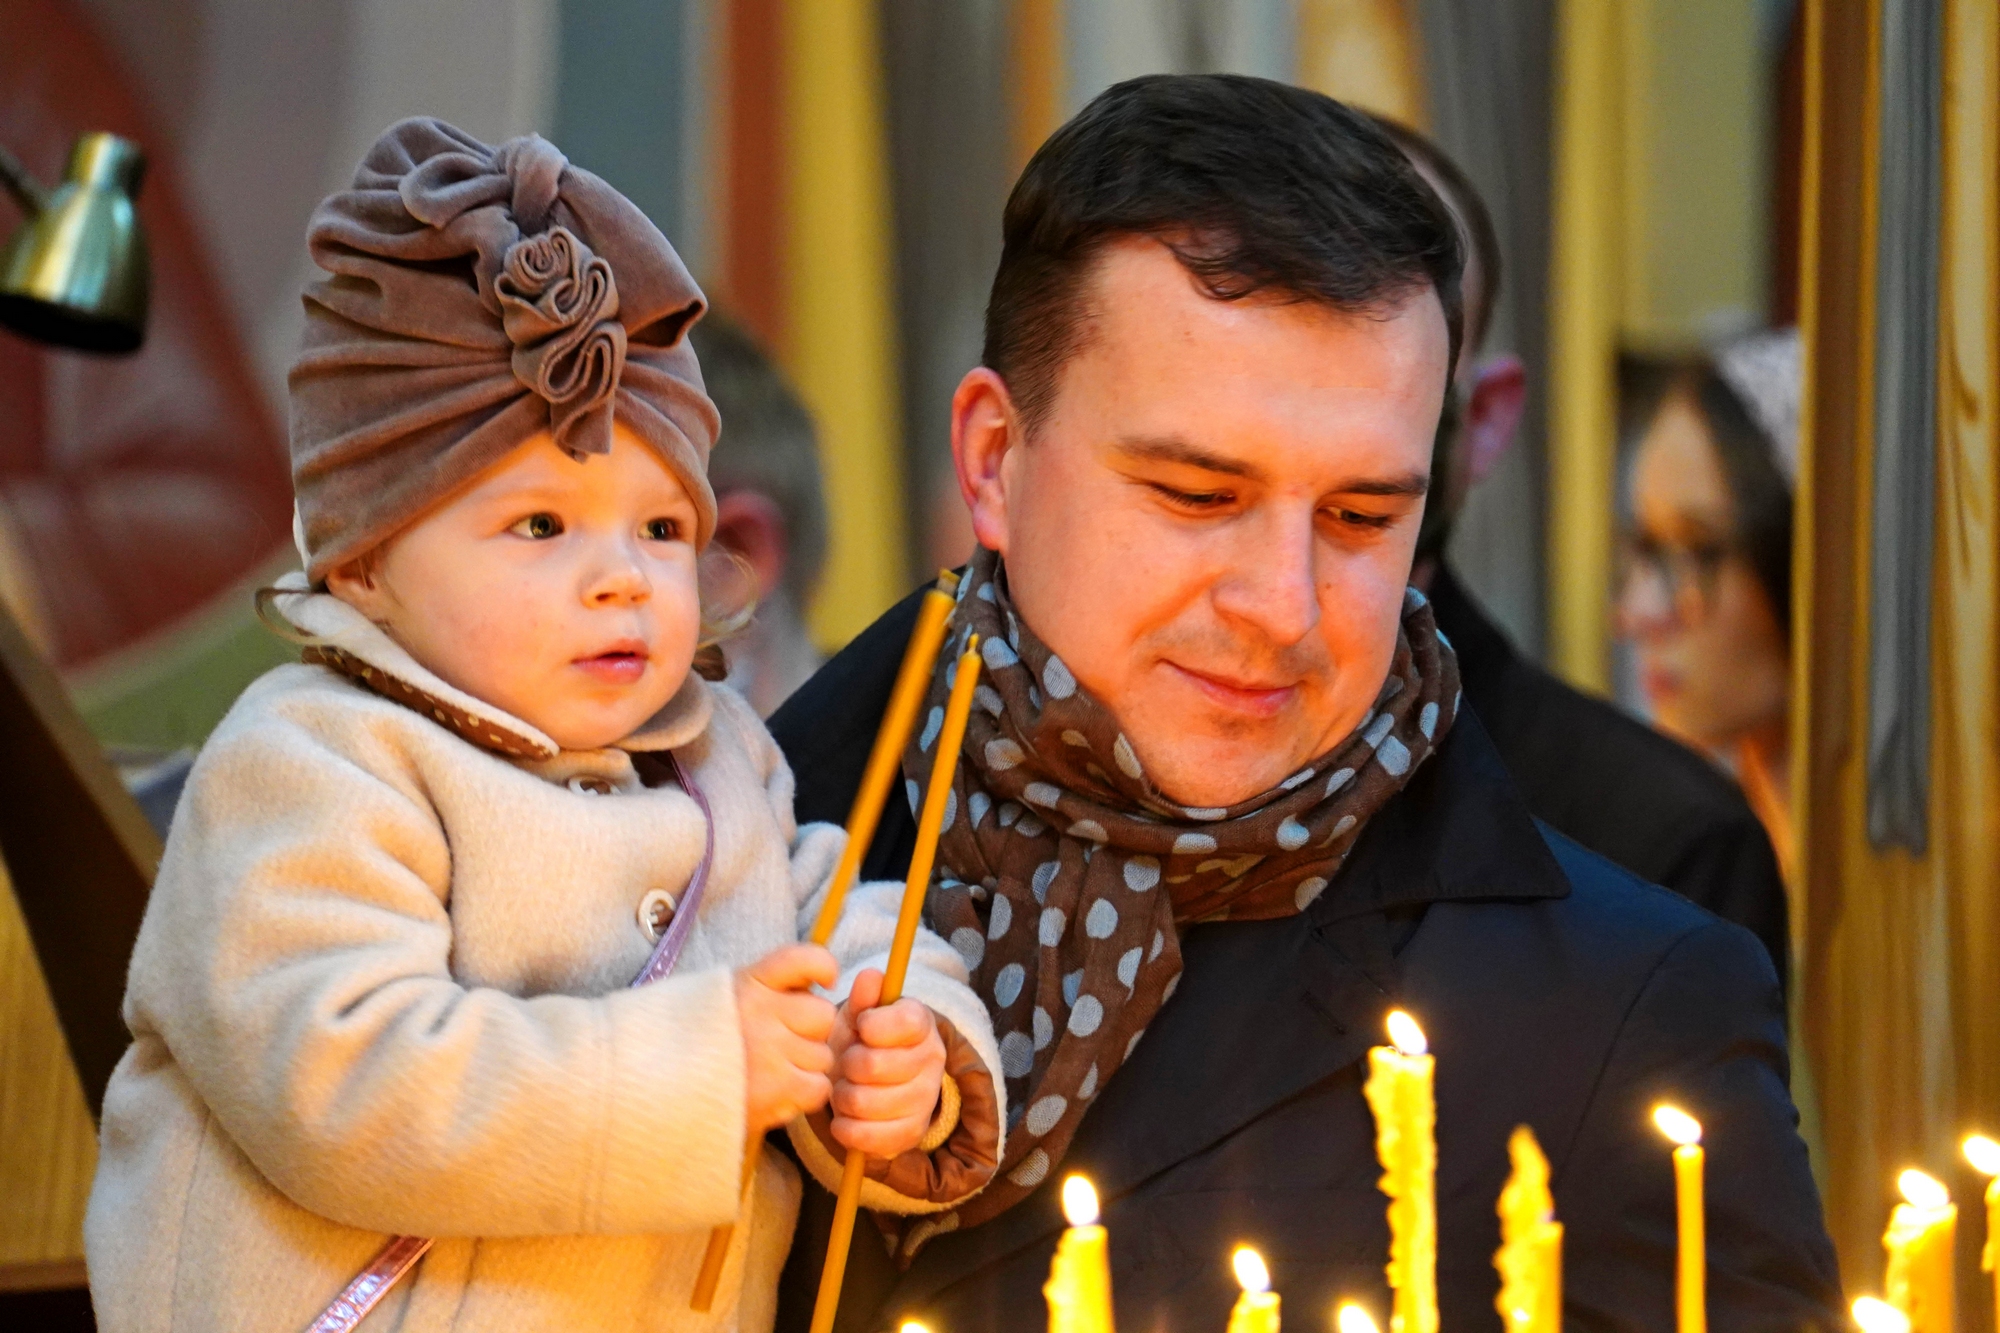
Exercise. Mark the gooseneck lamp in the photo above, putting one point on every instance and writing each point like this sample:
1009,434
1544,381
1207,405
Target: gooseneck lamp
76,273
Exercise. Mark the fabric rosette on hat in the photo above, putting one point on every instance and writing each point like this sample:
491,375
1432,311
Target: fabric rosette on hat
477,296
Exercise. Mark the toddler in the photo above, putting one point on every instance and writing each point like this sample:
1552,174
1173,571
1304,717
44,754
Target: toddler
383,988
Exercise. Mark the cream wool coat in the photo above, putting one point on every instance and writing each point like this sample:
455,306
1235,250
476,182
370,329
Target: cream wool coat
381,989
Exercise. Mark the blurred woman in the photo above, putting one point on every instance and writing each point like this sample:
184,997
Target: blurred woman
1705,588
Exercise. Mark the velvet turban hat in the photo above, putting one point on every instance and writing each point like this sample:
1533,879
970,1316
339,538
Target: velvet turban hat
478,296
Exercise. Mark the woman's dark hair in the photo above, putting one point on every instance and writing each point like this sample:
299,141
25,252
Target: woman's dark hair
1761,496
1254,185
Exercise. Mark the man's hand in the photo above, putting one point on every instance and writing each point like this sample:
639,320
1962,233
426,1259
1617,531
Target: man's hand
785,1029
888,1069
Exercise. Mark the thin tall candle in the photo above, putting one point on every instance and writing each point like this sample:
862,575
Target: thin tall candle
1400,1091
1691,1285
1079,1285
1530,1254
1923,1232
1257,1308
1984,1154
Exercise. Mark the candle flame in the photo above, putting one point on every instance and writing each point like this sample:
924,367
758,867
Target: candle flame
1251,1274
1922,1190
1405,1035
1351,1318
912,1326
1879,1316
1677,1124
1984,1154
1079,1202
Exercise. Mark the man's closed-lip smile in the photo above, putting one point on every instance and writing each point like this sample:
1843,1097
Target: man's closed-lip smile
1252,697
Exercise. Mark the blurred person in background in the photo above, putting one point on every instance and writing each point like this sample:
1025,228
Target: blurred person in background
1705,588
1582,764
770,513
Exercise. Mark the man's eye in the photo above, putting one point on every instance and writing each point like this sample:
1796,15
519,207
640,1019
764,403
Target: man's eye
662,530
1355,518
1193,499
538,527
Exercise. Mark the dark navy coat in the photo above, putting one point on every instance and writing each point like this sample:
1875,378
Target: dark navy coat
1557,990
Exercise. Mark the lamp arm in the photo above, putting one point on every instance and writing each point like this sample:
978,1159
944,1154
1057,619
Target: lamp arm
26,190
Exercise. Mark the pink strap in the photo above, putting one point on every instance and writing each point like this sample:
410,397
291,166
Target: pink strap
401,1254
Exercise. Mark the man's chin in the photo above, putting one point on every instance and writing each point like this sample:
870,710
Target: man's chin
1216,774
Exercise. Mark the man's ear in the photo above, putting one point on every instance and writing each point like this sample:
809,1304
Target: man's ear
982,431
750,524
1493,409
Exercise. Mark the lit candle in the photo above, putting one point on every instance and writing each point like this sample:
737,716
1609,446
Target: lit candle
1351,1318
912,1326
1399,1091
1984,1154
1257,1308
1691,1287
1530,1254
1079,1285
1922,1232
1879,1316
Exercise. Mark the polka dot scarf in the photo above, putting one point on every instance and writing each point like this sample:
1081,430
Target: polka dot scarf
1064,874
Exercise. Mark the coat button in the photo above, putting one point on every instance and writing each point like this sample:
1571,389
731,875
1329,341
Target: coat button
656,909
590,786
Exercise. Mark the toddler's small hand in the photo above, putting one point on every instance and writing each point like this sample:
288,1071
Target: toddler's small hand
888,1068
785,1030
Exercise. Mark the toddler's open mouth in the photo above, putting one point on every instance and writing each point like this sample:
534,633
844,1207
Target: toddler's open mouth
620,664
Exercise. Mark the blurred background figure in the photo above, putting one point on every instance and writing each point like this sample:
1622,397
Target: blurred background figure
1582,764
770,530
1705,588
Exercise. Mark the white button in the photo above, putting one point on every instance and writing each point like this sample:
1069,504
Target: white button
656,909
590,786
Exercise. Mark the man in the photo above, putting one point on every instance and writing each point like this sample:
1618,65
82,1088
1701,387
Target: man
1622,789
770,519
1218,810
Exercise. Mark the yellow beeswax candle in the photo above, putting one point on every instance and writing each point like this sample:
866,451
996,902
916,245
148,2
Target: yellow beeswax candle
1984,1154
1079,1285
1257,1308
1691,1281
1923,1231
1400,1092
1879,1316
1530,1253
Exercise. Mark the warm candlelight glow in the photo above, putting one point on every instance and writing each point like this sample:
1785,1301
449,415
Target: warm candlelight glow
1079,1202
1251,1274
1351,1318
1677,1125
1922,1190
1984,1154
1405,1035
912,1326
1879,1316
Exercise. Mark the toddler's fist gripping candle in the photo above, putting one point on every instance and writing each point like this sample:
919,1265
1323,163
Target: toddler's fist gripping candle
1400,1092
1921,1236
1257,1308
1079,1285
1691,1288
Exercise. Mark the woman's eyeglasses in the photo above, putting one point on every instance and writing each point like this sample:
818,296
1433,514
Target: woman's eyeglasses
1683,575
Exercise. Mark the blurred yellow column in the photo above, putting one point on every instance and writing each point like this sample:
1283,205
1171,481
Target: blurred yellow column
1584,292
840,302
1366,52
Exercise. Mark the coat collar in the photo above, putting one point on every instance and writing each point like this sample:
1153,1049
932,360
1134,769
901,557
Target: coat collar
1294,1000
336,635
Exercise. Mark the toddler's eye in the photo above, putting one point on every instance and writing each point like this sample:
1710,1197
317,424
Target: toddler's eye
662,530
538,527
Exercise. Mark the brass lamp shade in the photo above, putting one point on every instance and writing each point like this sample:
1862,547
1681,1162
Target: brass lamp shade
76,274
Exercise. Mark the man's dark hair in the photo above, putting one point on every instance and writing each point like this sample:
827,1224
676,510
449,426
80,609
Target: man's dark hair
1256,186
768,444
1461,196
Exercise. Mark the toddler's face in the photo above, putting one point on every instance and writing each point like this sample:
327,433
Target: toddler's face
563,592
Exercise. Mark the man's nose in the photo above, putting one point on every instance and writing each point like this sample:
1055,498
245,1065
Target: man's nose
1273,582
617,578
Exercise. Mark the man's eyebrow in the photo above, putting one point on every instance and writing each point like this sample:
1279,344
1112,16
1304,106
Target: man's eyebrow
1173,449
1410,483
